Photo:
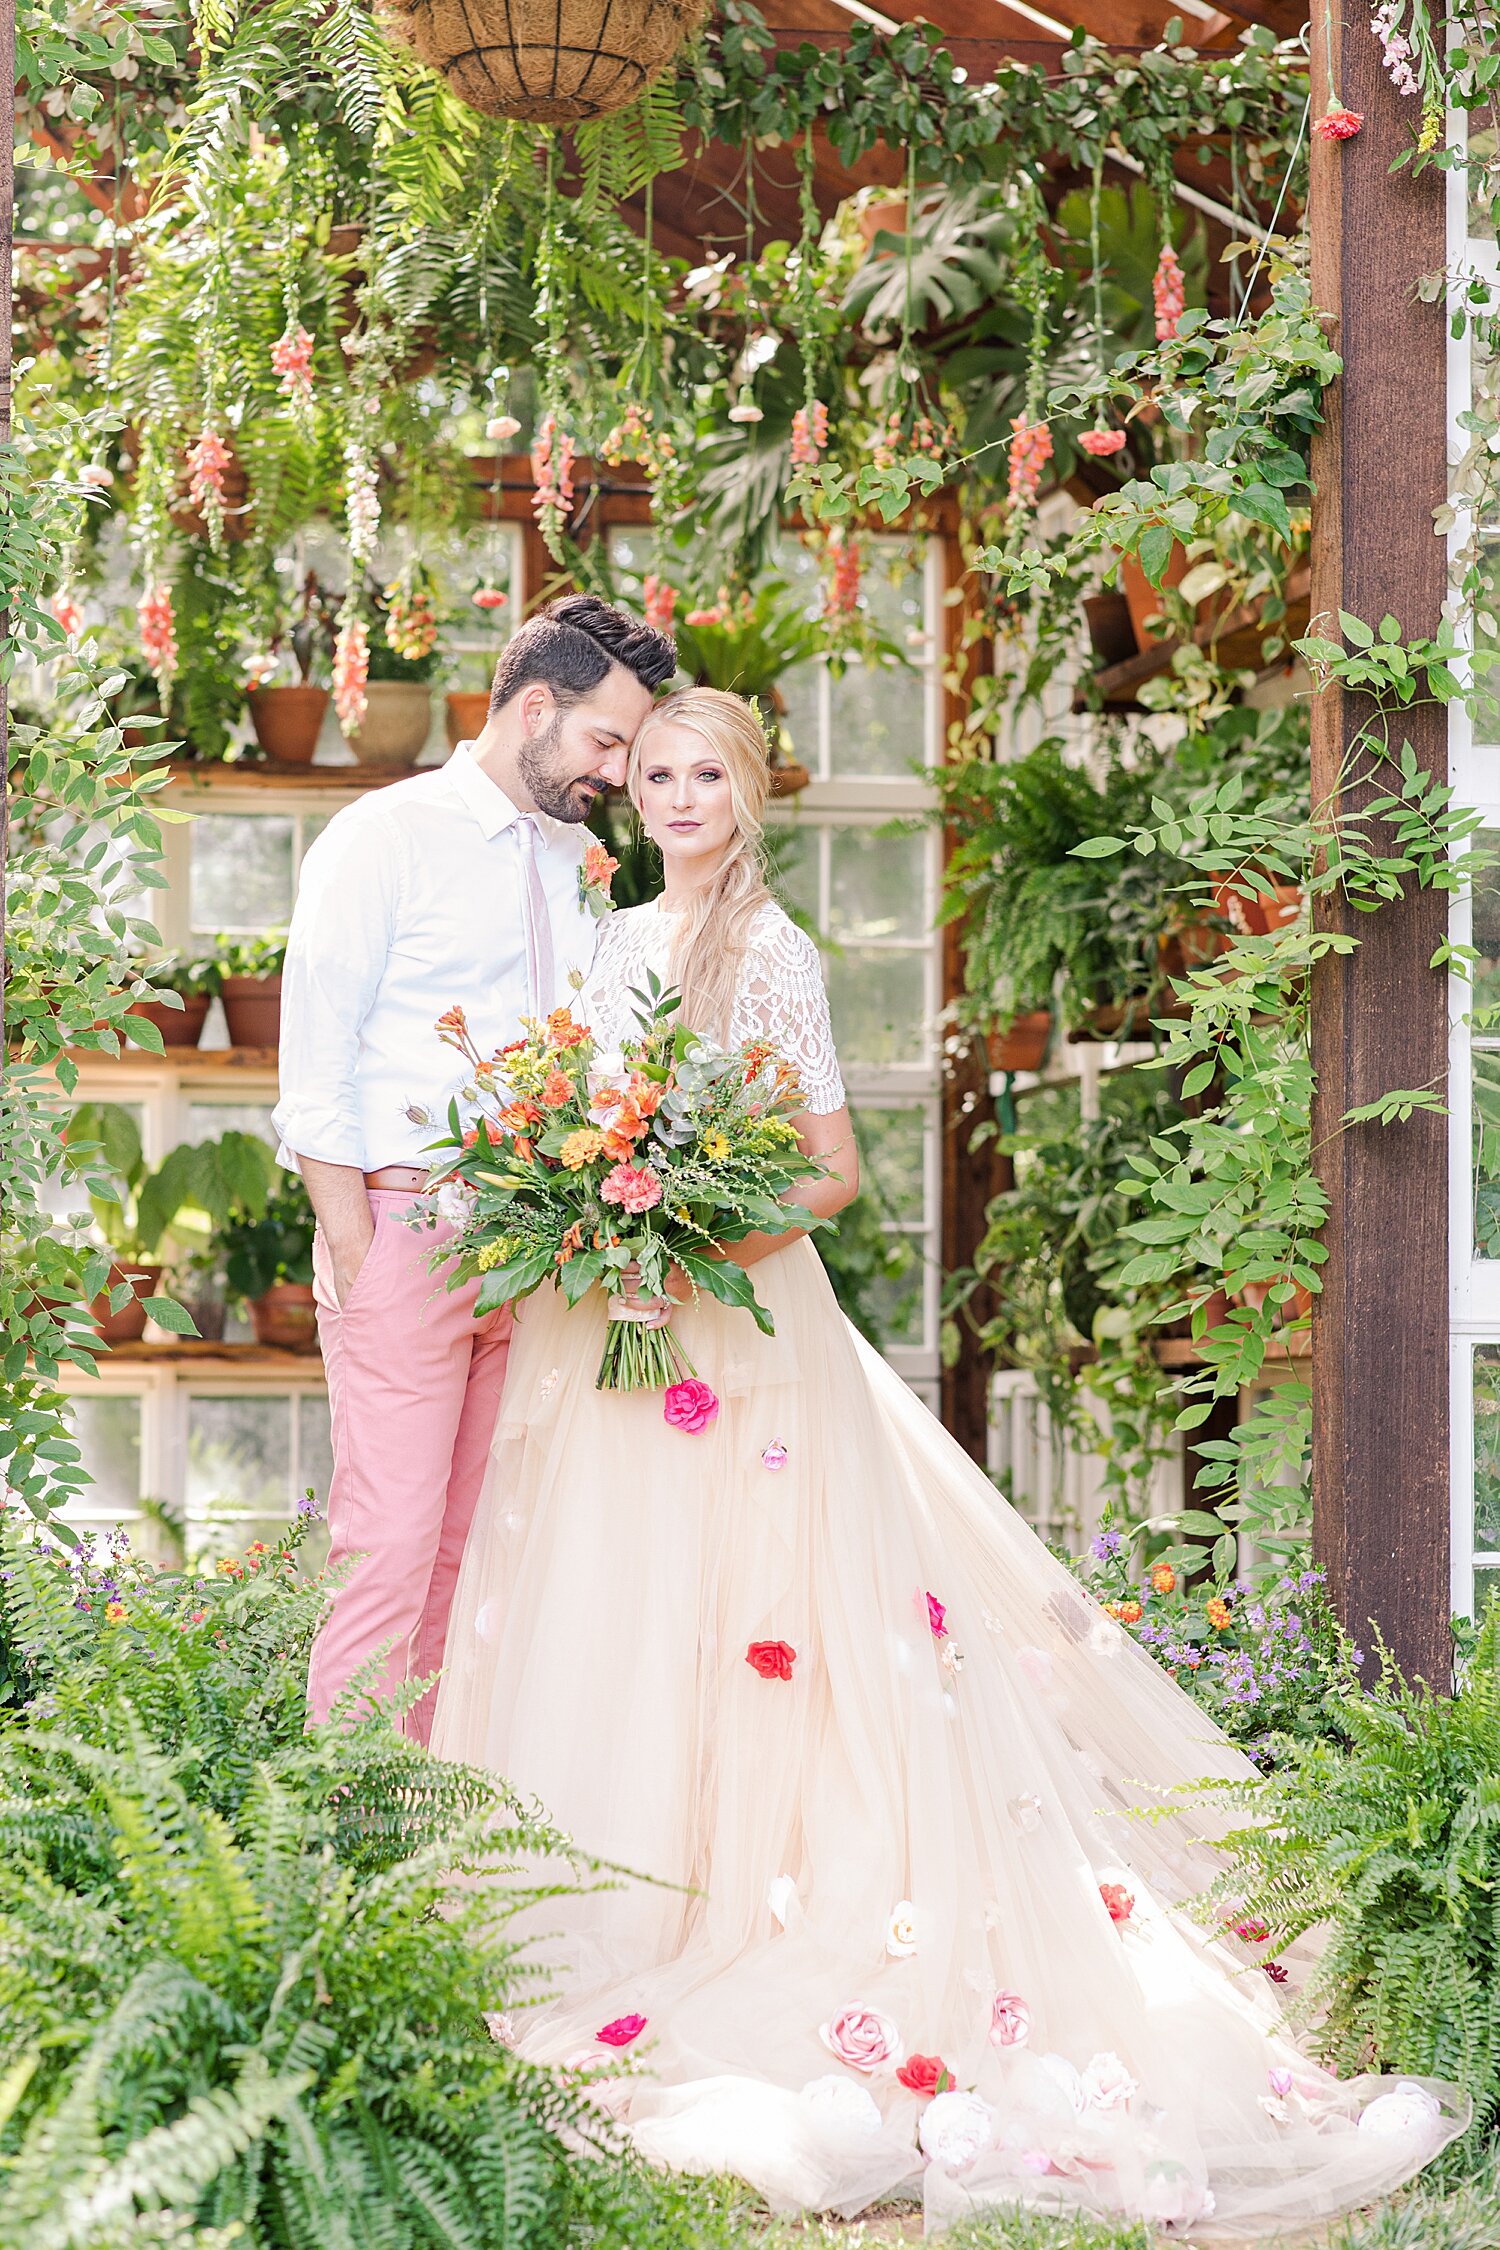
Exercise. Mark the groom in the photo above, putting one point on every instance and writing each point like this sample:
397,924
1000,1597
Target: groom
459,886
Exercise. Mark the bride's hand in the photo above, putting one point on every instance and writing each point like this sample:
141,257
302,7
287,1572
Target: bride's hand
654,1311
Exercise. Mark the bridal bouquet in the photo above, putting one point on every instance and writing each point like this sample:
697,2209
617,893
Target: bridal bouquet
580,1166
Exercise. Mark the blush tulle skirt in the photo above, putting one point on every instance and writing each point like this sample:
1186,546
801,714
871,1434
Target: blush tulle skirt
905,1829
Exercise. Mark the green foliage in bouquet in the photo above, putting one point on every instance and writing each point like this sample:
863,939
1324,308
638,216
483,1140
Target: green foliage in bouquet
583,1168
1392,1852
241,1988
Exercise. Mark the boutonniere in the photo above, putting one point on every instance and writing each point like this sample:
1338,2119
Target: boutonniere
594,878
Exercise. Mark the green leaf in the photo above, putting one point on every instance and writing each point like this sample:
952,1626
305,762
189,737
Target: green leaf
168,1314
1155,550
1098,847
1353,629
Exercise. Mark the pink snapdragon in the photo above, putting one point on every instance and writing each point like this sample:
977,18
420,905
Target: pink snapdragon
552,459
1101,443
659,597
291,362
1395,48
1030,451
158,631
842,596
351,673
1168,293
68,614
809,434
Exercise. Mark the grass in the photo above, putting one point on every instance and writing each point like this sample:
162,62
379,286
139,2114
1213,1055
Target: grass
1435,2217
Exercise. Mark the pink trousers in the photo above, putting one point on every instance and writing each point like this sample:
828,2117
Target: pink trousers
413,1391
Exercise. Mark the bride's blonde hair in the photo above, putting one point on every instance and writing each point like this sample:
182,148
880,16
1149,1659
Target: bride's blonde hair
713,931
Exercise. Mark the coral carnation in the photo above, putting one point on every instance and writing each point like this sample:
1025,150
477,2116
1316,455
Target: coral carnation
1338,125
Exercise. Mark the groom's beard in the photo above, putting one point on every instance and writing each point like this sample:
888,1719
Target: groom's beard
572,800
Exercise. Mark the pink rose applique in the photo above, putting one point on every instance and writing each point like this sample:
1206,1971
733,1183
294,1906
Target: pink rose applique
861,2037
689,1406
937,1615
1010,2020
1119,1901
621,2032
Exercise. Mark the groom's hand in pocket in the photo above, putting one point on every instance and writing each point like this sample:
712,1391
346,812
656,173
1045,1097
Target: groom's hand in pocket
341,1202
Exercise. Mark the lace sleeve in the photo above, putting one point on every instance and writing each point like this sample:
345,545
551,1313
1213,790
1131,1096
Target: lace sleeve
782,1000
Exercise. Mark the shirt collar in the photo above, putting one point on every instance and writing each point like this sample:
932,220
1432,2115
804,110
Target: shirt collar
487,801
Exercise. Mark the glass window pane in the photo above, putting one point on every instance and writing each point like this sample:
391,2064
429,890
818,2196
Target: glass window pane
792,849
239,1469
897,1302
1482,140
314,1447
800,723
877,885
1487,1449
109,1438
878,1001
892,1161
1486,1582
1486,699
208,1121
241,871
1486,1153
877,720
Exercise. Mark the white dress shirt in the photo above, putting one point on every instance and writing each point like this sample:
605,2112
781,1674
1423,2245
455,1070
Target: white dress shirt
409,902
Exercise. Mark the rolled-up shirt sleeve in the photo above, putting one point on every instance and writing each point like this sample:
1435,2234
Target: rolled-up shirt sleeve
340,939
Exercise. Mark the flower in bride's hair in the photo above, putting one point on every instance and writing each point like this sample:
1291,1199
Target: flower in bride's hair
1010,2020
635,1187
581,1148
901,1930
771,1660
955,2127
689,1406
621,2032
861,2038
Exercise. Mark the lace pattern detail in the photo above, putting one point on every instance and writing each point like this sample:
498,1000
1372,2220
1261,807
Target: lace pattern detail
781,998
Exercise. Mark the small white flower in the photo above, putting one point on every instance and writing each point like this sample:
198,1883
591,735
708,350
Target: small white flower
455,1200
1107,2084
954,2128
848,2108
901,1931
953,1657
781,1897
501,2026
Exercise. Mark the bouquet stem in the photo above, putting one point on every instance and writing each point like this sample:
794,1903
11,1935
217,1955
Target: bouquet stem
639,1356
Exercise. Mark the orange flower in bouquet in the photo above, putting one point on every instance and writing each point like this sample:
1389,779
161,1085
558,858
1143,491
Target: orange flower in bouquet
607,1171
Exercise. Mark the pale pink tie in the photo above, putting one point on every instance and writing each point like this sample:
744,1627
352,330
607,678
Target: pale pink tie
535,920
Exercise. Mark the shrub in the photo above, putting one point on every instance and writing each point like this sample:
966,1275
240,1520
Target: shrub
245,1969
1394,1849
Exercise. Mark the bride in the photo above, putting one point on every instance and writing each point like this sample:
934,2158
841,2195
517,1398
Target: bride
878,1753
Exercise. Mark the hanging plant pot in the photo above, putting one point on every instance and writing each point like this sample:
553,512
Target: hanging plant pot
1191,945
179,1027
397,716
552,61
287,1316
1023,1044
252,1010
885,217
464,713
287,720
128,1325
787,780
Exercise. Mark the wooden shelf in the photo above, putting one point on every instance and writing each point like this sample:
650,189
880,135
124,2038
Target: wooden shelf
187,775
196,1062
193,1351
1235,640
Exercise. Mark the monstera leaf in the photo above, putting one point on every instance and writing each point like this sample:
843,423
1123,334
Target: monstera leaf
956,263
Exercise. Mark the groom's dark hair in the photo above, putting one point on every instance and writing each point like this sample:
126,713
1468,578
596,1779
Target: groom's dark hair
571,644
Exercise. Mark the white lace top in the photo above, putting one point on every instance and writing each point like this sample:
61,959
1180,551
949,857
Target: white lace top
780,998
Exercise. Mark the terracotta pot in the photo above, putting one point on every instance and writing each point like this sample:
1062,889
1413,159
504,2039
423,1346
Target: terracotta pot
252,1010
287,1316
128,1325
1143,598
787,780
1269,910
887,217
464,713
286,721
1023,1046
394,726
1190,946
179,1027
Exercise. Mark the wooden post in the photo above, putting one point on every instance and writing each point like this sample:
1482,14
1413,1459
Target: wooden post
7,236
1380,1328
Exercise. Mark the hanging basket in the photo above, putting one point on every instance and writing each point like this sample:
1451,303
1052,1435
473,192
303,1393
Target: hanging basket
552,61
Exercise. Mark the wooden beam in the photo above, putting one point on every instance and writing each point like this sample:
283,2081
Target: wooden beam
7,262
1379,1019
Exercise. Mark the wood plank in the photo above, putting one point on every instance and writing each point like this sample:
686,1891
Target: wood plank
1380,1327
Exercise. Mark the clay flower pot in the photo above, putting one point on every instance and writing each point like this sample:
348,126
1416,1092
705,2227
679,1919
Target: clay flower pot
128,1325
1023,1046
394,727
179,1027
286,721
286,1316
1143,598
1269,910
252,1010
465,711
788,779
